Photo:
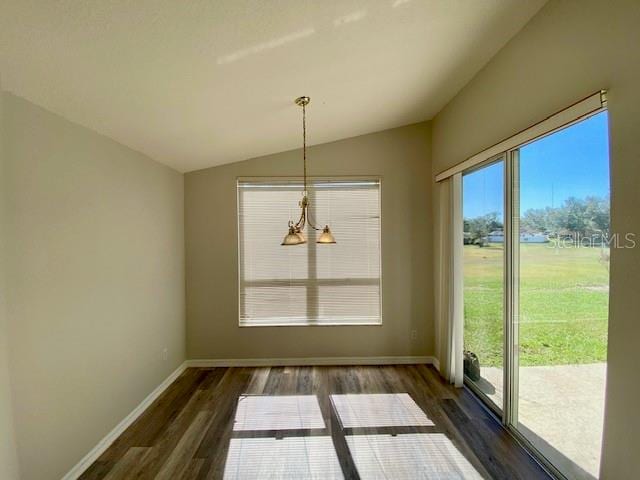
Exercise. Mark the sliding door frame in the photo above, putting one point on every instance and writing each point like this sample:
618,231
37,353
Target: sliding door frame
510,282
511,267
512,320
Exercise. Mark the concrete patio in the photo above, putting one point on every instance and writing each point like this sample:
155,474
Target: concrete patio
560,411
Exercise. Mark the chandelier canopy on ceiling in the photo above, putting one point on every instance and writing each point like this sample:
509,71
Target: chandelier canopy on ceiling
295,236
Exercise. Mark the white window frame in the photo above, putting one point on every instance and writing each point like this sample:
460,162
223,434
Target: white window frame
311,180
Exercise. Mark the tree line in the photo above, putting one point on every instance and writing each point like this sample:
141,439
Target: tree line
584,217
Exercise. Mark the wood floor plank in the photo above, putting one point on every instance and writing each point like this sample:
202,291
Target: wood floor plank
330,382
167,442
178,462
193,469
156,418
124,469
98,470
258,381
186,433
215,443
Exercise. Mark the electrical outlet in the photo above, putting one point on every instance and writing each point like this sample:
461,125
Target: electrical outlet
165,354
414,335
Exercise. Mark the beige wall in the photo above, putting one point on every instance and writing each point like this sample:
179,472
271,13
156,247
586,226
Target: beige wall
401,157
569,50
8,454
96,291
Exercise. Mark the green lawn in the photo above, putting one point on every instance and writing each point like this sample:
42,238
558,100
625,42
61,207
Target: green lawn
564,300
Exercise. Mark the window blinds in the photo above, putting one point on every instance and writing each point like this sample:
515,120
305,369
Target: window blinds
309,284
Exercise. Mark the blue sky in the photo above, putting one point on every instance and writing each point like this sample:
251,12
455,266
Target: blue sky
573,162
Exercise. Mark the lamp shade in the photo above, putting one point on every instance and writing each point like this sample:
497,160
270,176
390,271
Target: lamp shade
293,238
326,236
301,236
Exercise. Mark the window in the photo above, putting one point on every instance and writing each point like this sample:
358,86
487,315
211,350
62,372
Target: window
309,284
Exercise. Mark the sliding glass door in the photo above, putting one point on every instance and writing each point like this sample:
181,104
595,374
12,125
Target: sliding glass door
536,291
483,267
564,294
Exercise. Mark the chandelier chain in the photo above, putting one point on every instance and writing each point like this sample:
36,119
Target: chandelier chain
304,144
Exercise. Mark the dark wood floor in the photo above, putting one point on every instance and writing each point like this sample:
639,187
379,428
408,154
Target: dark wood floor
188,431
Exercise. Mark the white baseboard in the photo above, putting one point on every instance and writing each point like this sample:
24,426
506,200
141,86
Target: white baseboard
436,363
106,442
281,362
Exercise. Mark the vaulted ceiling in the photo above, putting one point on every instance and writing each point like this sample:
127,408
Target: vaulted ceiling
200,83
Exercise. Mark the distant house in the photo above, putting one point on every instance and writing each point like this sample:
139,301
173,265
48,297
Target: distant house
497,236
533,238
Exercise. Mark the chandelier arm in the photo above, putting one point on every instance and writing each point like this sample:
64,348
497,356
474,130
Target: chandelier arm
311,222
302,220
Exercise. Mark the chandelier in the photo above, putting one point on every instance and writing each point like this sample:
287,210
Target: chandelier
296,235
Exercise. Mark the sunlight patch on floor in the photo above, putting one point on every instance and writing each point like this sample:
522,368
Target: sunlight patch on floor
379,410
409,456
280,412
287,458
